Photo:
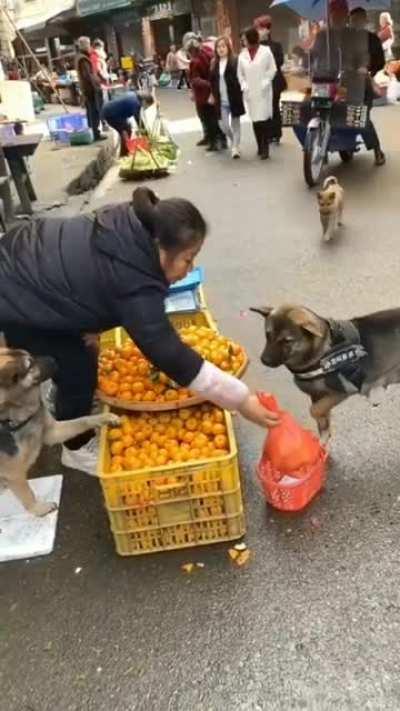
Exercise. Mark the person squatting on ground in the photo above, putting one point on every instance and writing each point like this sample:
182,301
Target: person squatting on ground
118,112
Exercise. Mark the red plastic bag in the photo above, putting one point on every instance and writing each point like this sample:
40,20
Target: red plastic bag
137,143
288,446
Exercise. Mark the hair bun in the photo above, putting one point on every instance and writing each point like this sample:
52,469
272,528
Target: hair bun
144,203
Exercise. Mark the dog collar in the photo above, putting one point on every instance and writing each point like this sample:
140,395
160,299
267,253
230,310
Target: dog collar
10,426
341,366
7,429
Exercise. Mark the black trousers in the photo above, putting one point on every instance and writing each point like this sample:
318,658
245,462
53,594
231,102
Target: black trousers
93,108
183,79
276,123
76,376
369,134
262,132
209,120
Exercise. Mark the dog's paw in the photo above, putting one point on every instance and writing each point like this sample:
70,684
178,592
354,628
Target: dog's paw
42,508
108,418
325,437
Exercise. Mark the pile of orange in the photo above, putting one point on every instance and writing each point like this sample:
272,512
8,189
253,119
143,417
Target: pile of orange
125,374
149,440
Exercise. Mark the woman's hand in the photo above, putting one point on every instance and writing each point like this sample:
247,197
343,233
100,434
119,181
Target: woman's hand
253,411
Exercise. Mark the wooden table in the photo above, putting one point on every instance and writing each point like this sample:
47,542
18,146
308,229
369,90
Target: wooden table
15,152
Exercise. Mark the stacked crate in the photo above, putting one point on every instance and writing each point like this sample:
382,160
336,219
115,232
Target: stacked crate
176,505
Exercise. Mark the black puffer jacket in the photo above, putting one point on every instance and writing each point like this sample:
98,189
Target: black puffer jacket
88,274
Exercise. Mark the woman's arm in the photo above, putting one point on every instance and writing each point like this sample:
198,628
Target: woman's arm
144,318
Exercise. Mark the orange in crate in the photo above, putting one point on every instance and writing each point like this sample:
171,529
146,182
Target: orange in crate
292,469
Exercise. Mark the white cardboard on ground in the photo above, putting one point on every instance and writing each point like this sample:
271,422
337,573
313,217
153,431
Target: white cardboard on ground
23,535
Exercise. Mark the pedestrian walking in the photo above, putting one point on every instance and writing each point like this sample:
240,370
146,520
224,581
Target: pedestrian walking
183,62
227,93
386,34
61,278
171,64
256,70
90,85
264,25
200,84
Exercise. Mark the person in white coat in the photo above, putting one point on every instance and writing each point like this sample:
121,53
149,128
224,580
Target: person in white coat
256,70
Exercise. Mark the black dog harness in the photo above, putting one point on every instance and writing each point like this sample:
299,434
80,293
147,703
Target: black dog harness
7,430
341,368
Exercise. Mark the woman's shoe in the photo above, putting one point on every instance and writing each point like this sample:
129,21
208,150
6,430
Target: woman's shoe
202,142
235,153
380,158
212,148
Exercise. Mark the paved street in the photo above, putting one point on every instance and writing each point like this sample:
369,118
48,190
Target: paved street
314,621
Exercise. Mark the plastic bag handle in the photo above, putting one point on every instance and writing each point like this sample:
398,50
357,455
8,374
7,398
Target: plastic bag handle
269,402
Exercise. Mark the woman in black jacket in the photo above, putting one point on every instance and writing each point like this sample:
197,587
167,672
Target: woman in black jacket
227,93
62,278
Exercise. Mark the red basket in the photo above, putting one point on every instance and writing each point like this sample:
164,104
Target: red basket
293,493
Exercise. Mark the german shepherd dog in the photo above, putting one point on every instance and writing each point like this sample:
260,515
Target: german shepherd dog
26,425
332,360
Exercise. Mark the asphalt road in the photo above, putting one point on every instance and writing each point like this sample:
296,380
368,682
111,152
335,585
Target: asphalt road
314,621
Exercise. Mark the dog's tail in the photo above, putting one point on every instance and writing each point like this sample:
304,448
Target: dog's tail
330,181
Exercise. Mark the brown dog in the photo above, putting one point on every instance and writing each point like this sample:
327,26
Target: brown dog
332,360
26,425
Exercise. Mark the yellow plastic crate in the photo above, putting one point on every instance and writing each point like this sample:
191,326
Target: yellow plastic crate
177,506
117,336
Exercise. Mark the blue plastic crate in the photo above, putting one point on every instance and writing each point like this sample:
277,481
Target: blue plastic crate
61,127
192,281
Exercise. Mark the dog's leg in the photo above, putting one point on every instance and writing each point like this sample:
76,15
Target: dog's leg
320,411
330,228
340,215
59,432
21,489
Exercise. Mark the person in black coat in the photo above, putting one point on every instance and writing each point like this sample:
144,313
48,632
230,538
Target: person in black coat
279,84
63,278
227,93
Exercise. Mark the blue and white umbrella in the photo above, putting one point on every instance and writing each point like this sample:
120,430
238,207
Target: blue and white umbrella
318,9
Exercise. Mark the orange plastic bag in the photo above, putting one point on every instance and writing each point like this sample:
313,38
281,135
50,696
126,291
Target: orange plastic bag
292,468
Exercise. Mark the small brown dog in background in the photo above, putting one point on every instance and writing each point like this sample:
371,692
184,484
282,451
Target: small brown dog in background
330,201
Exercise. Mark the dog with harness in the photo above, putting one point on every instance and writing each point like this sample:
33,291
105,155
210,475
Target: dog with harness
332,360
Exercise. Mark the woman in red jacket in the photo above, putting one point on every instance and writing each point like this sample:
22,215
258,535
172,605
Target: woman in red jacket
200,82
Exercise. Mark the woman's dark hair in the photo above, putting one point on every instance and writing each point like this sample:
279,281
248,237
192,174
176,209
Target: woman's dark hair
252,36
176,224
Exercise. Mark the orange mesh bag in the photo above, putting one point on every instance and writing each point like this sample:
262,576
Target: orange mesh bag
292,469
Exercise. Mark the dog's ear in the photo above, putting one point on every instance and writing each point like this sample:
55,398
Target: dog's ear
319,195
263,310
307,320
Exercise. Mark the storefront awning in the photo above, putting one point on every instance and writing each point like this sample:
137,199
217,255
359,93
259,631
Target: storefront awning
93,7
38,20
